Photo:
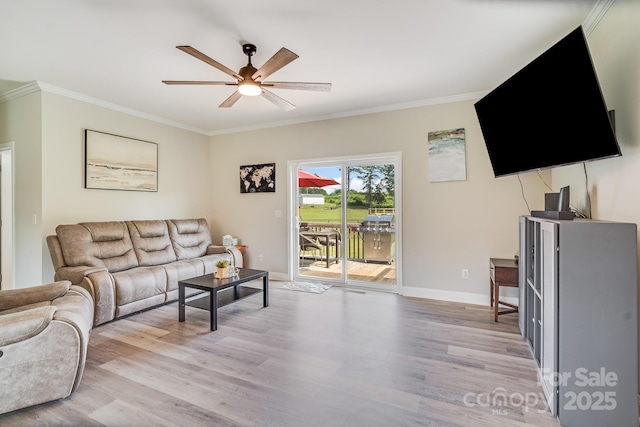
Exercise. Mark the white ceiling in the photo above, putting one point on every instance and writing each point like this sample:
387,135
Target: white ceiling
378,55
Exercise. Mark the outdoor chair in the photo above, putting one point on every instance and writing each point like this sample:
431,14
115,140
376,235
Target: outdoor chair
332,243
307,244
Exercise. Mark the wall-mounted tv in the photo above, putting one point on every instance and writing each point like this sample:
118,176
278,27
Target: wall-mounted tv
550,113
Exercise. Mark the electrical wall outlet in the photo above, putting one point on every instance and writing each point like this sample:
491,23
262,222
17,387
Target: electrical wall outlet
260,257
465,273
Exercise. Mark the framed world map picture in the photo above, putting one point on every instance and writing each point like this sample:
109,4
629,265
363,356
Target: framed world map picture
258,178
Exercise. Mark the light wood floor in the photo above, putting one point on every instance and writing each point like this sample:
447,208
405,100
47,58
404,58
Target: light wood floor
341,358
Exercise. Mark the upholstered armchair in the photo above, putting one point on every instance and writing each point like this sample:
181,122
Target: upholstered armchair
44,331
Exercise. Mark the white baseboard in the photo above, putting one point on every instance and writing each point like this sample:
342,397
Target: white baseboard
278,276
452,296
437,294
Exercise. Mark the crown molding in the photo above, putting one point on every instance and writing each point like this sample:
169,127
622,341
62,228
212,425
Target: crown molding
596,14
352,113
100,103
25,90
38,86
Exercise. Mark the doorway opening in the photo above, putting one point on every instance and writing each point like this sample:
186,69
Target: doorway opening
6,216
345,221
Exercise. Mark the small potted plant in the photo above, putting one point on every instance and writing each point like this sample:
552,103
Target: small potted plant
223,269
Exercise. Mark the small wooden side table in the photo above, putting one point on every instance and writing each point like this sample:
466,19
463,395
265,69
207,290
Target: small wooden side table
504,272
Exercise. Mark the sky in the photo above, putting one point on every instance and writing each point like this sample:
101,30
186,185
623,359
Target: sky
335,173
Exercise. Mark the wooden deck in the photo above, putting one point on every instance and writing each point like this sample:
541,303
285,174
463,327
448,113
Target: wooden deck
358,270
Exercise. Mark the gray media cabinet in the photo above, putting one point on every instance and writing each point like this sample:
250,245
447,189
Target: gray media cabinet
578,311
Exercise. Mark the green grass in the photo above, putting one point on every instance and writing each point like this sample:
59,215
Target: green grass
331,213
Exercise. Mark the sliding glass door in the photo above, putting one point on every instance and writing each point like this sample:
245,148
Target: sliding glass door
345,221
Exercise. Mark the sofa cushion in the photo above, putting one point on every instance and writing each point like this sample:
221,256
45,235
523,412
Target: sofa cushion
139,305
190,237
151,242
97,244
139,283
183,269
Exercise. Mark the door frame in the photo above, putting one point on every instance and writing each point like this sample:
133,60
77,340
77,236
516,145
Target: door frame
394,158
7,215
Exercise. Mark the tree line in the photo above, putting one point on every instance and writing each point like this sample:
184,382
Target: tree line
378,187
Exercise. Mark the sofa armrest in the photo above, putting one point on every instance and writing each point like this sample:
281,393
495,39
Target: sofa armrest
76,274
235,254
216,249
22,325
55,250
98,282
76,309
12,298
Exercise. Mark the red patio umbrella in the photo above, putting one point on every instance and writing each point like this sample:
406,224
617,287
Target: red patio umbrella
306,179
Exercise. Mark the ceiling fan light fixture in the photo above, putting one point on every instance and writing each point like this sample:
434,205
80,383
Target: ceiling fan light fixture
249,88
249,79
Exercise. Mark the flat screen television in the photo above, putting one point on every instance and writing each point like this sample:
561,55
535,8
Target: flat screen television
550,113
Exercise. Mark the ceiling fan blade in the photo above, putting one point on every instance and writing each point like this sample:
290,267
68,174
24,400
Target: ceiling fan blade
320,87
197,82
277,61
285,105
201,56
231,100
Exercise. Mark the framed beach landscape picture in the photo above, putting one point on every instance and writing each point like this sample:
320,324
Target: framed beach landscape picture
447,157
119,163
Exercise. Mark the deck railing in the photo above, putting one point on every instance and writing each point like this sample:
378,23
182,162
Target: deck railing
355,242
382,211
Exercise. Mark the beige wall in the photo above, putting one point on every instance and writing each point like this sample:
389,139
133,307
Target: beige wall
184,180
20,123
47,129
614,184
448,226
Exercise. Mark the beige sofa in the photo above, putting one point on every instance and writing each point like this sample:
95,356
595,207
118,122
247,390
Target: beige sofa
128,266
44,331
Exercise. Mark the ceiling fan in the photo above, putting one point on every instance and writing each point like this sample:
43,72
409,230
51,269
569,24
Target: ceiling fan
250,81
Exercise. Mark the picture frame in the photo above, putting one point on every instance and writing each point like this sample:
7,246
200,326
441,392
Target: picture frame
447,155
260,178
113,162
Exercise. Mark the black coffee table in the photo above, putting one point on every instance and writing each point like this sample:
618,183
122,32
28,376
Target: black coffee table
221,292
